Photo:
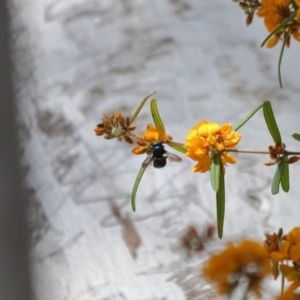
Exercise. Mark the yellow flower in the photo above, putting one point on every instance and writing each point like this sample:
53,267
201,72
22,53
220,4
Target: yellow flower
274,13
155,134
227,158
152,134
203,165
289,249
246,260
293,238
205,139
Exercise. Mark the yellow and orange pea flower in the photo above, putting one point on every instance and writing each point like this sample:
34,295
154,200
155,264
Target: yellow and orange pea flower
289,253
274,13
290,248
248,259
205,139
152,134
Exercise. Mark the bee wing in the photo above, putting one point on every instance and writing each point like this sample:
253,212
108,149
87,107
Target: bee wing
173,157
147,162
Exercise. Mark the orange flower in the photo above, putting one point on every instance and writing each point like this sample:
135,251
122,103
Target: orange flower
205,139
289,249
274,13
293,238
246,260
285,250
152,134
155,134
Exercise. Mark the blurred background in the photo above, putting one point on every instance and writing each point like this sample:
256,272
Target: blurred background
75,60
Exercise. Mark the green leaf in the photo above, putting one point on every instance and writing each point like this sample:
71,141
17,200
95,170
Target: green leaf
285,179
136,185
155,115
279,27
271,122
247,118
215,171
139,108
220,197
277,177
177,147
296,136
280,57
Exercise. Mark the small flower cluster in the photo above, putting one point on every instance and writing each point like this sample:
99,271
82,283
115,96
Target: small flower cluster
277,153
115,126
284,253
275,12
205,139
245,262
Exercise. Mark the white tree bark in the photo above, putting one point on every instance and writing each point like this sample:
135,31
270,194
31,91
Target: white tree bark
75,60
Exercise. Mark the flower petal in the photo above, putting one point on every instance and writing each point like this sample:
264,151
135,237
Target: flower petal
227,158
154,134
203,165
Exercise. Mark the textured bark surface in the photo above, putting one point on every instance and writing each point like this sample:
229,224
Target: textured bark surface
75,60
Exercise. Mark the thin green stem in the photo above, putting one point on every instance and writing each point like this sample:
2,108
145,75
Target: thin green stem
258,151
246,151
291,153
282,284
285,37
174,143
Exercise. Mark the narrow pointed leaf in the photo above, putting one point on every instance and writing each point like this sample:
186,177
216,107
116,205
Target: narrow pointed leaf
285,179
280,58
247,118
279,27
139,108
178,148
136,185
296,136
277,177
220,197
271,122
215,170
155,115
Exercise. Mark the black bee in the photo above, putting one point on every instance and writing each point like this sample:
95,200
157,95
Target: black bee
159,155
